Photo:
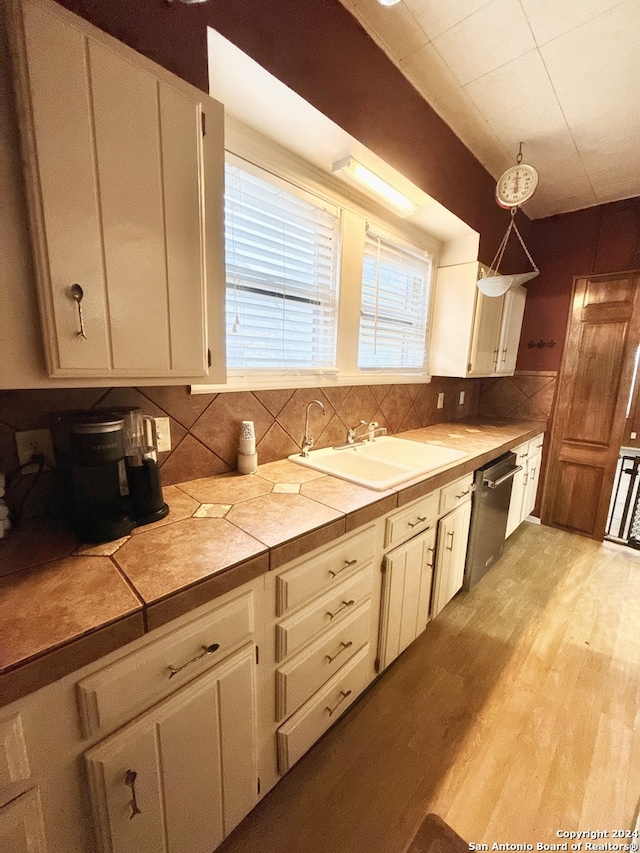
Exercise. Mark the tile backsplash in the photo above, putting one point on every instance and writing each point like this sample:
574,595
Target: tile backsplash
205,428
528,394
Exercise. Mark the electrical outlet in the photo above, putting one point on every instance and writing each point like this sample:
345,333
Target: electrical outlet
163,430
32,441
441,399
461,399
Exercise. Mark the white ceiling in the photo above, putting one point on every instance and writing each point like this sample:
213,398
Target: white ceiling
560,76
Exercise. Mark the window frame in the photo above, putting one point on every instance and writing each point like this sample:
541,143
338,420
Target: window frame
243,144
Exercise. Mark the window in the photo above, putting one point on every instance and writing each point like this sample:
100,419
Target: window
282,247
394,304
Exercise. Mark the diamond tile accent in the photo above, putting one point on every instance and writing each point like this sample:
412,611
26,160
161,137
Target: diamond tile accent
286,489
212,510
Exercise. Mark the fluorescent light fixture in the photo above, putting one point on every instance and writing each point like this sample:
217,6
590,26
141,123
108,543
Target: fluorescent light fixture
388,2
365,177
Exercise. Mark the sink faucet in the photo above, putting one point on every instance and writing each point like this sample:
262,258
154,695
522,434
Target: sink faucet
307,441
352,432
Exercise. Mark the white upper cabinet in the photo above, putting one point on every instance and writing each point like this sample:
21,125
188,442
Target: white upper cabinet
124,169
510,328
473,334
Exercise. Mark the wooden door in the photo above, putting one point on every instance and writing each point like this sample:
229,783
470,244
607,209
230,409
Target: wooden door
592,398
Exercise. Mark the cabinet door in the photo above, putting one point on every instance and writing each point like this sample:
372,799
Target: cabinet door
21,825
516,502
406,595
510,328
486,329
117,167
182,776
453,534
531,486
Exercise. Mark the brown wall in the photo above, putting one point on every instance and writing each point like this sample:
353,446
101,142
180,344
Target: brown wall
598,240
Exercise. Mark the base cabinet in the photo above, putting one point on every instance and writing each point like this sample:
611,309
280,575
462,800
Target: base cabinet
22,826
406,595
453,535
525,482
182,776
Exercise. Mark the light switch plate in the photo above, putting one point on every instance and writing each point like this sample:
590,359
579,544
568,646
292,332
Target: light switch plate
461,399
441,399
163,429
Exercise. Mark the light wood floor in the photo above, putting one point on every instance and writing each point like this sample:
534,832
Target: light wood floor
516,714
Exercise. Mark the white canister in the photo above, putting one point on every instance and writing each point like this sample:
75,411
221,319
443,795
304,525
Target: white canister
247,444
247,463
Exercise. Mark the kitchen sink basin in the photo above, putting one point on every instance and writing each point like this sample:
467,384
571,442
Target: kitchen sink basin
383,463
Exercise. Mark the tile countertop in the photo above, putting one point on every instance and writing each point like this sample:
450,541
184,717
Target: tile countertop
64,604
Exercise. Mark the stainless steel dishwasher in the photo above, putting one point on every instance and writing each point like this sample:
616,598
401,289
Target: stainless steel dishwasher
489,511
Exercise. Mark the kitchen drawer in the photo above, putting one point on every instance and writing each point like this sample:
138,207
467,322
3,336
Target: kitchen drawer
299,628
125,688
522,452
456,493
536,444
406,522
313,576
304,728
307,671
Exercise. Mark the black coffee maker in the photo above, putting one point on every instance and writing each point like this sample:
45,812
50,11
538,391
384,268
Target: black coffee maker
90,452
146,503
109,471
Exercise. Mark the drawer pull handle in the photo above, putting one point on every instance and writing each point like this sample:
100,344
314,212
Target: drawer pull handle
349,603
463,494
420,519
449,547
343,696
347,565
206,650
348,645
130,782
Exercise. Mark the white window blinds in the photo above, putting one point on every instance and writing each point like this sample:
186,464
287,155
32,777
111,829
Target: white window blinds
395,302
281,261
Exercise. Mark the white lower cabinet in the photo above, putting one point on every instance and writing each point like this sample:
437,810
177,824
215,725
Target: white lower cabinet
525,482
453,535
22,826
406,595
182,776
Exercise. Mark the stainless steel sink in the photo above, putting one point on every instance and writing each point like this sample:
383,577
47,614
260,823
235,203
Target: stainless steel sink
383,463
